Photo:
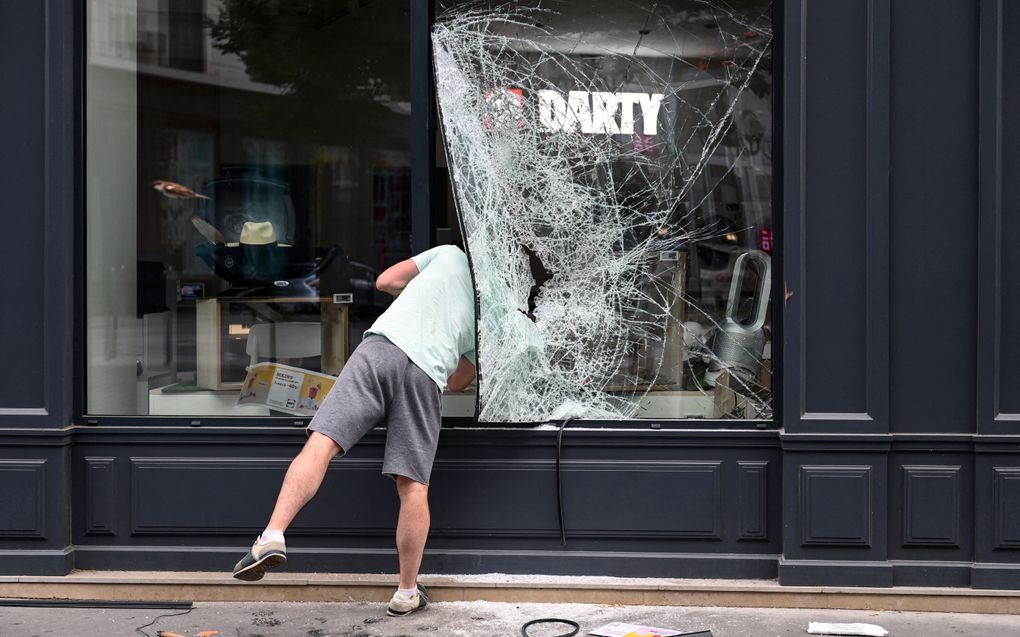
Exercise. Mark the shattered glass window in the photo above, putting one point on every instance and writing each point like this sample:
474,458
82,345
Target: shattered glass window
611,171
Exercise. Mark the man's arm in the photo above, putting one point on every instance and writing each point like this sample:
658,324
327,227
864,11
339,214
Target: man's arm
395,278
462,376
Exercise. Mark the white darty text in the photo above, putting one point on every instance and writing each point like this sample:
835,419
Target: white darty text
598,113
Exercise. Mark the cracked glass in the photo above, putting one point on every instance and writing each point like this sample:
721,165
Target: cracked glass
611,173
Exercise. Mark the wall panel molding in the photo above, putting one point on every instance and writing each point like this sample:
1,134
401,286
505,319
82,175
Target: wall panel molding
686,495
931,505
238,496
998,311
752,504
835,505
836,384
100,495
687,501
934,195
37,62
23,498
1006,507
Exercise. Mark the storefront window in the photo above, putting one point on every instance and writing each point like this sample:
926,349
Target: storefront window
611,174
247,178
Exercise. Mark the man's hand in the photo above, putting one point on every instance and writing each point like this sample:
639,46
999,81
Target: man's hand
396,277
462,376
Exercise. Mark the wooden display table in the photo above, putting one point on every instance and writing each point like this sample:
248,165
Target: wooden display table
220,329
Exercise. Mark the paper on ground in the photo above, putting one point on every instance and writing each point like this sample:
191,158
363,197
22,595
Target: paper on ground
619,629
868,630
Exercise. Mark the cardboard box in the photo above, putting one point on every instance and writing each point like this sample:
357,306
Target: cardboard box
284,388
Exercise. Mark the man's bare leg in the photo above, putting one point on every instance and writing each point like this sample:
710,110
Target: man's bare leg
412,528
303,479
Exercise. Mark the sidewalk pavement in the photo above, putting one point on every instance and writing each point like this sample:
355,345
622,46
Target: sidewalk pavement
472,619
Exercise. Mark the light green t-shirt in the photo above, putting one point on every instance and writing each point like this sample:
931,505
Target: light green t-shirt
433,319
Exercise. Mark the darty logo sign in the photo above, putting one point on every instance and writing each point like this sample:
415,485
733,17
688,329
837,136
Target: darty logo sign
599,113
591,113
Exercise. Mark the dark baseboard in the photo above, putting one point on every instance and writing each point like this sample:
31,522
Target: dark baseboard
839,573
1002,576
614,564
835,573
37,562
952,574
898,573
461,562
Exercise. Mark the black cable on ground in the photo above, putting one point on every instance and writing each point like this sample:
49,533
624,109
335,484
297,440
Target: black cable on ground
559,481
159,617
91,603
575,625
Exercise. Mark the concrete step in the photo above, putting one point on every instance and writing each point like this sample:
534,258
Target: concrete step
353,587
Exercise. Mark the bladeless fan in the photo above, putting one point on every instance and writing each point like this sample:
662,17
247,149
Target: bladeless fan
739,342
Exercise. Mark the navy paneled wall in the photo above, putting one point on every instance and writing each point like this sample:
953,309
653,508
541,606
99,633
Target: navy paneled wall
835,221
905,304
898,462
37,117
902,328
22,126
1001,209
653,503
999,222
933,215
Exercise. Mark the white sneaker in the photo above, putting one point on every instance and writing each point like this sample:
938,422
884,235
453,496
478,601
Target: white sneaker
260,559
404,604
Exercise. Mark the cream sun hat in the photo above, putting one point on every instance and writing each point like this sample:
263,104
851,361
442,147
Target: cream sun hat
257,233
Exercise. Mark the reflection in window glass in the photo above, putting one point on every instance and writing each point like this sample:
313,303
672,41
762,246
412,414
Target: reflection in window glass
248,177
611,164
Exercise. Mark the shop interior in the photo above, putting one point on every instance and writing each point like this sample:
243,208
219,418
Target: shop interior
248,176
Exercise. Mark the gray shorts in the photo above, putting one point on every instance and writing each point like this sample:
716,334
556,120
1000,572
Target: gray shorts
380,385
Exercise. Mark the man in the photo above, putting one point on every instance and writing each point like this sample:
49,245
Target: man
424,342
